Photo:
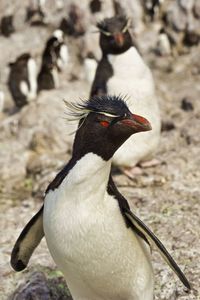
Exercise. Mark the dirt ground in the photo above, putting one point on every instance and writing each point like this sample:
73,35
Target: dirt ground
166,197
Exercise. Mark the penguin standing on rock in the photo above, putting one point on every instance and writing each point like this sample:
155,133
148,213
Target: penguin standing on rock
54,60
22,81
101,247
122,70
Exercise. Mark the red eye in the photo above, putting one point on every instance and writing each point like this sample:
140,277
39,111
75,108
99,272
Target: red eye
104,123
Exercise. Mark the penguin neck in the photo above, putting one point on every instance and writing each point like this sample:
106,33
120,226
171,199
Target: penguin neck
88,174
116,51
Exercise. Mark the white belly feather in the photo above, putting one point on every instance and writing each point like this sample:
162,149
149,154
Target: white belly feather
101,259
132,78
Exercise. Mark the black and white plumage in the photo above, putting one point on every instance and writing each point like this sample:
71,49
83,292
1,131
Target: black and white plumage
54,60
101,247
35,13
122,70
22,81
74,24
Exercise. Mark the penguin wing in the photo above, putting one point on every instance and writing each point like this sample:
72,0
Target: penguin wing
140,228
28,240
103,72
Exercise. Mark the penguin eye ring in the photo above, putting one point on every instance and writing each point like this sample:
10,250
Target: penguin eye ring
126,27
107,33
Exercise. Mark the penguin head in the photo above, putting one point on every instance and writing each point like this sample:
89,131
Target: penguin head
21,61
115,37
59,35
52,43
105,124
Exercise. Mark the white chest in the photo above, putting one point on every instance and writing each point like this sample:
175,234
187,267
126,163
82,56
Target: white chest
87,237
63,57
32,76
54,74
133,78
131,75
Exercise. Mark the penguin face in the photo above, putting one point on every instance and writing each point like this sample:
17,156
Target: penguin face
114,35
107,125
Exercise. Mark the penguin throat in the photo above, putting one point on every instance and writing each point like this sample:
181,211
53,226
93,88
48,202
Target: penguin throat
89,172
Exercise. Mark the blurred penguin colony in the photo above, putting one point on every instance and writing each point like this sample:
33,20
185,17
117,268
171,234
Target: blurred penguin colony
176,24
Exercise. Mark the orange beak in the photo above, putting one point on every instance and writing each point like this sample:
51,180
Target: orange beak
119,39
138,123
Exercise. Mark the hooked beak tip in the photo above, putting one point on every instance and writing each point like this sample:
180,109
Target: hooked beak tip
119,39
138,123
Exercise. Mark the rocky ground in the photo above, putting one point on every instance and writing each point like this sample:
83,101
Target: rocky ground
34,145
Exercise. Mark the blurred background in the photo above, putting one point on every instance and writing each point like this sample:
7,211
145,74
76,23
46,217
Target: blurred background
35,140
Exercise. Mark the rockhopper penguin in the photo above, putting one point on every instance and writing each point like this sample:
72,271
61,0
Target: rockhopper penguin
122,70
101,247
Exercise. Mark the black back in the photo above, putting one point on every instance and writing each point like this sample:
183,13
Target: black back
45,78
18,73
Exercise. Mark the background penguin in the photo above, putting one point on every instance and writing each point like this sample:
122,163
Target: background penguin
74,24
54,59
22,80
123,71
7,27
101,246
35,13
95,6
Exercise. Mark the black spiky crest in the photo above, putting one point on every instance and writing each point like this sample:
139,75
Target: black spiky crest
113,106
118,22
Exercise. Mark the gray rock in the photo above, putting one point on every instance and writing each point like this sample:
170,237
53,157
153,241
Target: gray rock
38,287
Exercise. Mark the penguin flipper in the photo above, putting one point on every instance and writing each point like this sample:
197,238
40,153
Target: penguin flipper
144,232
26,243
152,238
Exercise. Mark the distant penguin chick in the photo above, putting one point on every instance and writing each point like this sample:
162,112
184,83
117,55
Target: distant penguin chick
22,81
